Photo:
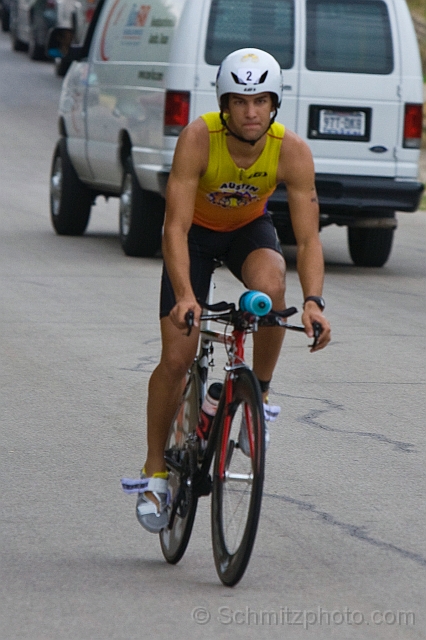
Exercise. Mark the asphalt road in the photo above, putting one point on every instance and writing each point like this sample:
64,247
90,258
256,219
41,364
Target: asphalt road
341,549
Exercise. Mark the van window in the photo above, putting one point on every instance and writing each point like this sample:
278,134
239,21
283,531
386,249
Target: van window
267,25
350,36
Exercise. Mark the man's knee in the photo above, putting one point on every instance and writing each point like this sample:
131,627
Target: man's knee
178,350
265,270
175,364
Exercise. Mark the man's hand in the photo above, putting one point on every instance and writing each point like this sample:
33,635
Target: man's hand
179,312
313,314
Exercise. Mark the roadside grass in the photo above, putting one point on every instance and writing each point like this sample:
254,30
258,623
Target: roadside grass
417,5
418,12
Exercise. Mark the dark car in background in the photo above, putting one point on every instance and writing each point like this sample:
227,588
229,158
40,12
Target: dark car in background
31,21
30,24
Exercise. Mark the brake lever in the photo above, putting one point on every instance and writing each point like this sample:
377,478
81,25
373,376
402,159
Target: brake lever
189,319
317,327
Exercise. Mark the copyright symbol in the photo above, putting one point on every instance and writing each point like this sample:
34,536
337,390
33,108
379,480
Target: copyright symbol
200,615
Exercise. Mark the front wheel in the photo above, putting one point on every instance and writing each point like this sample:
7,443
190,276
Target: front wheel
181,461
70,199
238,479
141,217
370,247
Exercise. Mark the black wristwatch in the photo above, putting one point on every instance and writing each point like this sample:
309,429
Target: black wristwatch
319,300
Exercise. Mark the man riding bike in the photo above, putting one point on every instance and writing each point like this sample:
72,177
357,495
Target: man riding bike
225,167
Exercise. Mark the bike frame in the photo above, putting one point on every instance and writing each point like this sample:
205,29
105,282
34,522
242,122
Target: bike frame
198,381
234,344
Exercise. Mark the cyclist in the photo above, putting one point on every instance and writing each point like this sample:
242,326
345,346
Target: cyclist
225,167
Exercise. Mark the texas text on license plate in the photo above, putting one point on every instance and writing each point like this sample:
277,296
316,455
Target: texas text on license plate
343,123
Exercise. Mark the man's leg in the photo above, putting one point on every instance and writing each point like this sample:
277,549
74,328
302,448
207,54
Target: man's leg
165,389
264,270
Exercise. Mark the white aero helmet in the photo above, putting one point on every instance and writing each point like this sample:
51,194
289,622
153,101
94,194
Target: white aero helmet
249,71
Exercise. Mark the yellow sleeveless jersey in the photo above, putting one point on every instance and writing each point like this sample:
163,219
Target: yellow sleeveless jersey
229,197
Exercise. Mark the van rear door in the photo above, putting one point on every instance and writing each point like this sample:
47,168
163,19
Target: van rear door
263,24
350,109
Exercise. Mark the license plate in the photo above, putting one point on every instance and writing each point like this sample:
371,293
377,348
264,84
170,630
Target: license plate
335,123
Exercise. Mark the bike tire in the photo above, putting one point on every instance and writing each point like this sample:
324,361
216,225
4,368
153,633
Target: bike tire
238,479
180,451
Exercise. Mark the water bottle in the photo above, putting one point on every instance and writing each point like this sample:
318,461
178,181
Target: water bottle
208,410
255,302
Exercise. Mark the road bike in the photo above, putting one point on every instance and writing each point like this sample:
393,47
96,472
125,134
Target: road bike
236,480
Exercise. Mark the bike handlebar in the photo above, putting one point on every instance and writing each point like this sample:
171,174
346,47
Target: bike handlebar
227,313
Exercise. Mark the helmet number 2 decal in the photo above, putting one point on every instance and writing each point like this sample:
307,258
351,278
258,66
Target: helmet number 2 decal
248,75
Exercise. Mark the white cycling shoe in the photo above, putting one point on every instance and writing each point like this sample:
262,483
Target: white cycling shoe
152,516
271,413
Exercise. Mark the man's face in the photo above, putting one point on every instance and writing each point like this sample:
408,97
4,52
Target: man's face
249,116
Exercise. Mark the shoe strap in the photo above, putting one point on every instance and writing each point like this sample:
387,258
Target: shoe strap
141,485
271,412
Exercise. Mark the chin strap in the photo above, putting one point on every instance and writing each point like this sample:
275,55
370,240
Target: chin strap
240,138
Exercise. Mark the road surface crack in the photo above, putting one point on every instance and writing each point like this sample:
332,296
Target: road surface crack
355,531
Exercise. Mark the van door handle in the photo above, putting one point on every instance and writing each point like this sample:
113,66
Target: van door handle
378,148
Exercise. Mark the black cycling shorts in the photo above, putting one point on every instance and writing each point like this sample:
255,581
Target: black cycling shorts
207,247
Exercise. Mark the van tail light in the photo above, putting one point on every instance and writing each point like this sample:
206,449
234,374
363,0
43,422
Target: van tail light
89,14
176,115
413,124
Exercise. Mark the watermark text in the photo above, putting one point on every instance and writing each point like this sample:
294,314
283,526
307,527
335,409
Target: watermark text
306,618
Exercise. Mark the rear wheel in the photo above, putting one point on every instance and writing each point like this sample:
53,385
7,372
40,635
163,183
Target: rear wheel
141,217
70,199
238,479
370,247
181,461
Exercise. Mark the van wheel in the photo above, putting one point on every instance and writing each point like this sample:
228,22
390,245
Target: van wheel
18,45
370,247
141,217
70,199
5,19
284,229
62,65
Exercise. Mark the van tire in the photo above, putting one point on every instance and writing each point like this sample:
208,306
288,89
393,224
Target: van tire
370,247
284,228
62,65
70,199
141,217
5,19
18,45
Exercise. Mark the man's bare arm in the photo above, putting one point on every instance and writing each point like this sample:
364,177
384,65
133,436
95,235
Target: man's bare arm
296,170
189,163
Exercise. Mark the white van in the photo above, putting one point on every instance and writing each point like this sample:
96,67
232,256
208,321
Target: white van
352,88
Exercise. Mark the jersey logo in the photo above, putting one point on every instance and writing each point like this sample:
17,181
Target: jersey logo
232,199
258,174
